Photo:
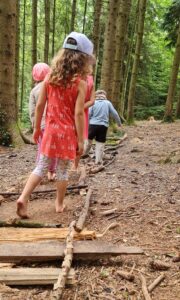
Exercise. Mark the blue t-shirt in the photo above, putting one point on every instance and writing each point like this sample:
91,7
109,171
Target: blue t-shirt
100,112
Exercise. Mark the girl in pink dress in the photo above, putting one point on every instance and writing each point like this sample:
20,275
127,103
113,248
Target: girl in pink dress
64,92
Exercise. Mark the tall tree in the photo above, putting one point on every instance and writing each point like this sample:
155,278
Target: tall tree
96,26
23,56
121,32
54,27
34,32
139,38
173,19
178,108
8,103
109,48
84,18
73,14
47,31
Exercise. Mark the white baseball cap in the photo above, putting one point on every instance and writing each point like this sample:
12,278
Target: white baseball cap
84,45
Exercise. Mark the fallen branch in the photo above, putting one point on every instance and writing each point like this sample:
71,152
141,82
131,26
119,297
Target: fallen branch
156,282
25,224
109,212
144,288
80,223
66,265
83,176
126,275
69,188
111,226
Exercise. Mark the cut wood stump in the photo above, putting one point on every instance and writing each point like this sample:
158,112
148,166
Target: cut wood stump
33,276
17,252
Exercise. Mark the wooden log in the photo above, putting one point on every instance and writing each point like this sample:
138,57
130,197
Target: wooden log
54,250
27,224
66,265
9,234
126,275
33,276
69,188
156,282
144,288
97,169
82,218
109,212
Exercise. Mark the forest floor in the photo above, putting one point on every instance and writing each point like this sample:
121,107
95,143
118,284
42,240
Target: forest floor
143,184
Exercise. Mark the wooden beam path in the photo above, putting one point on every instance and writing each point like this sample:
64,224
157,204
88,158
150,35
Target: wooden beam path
54,250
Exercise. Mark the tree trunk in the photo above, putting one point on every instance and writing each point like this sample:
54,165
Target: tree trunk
17,58
178,108
128,61
23,56
121,32
34,32
47,30
84,19
109,48
132,88
96,26
173,79
54,27
73,14
8,90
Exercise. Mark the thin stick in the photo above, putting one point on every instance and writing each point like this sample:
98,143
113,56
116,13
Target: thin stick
82,218
66,265
69,188
144,288
156,282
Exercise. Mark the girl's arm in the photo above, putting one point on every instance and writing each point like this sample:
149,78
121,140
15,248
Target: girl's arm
79,115
92,99
39,112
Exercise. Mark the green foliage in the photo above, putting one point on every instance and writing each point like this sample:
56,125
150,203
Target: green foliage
143,113
5,137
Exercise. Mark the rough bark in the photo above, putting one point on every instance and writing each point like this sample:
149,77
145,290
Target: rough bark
173,79
121,32
8,71
47,30
132,88
109,48
23,56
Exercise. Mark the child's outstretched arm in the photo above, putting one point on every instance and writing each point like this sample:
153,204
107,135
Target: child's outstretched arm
114,113
79,115
39,112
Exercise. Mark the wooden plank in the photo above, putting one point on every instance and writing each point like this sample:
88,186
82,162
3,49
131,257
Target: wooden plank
9,234
54,250
33,276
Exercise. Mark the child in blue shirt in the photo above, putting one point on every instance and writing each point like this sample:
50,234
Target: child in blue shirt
99,115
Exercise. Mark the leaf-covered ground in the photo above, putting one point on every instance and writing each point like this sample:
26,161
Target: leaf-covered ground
143,184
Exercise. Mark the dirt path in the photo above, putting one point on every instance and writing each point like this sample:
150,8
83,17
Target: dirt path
143,188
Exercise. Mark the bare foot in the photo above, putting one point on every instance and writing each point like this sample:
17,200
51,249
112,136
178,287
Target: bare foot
22,209
59,208
51,176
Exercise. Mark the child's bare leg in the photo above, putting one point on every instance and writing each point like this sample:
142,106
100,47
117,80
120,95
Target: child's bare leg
31,184
61,191
22,202
62,182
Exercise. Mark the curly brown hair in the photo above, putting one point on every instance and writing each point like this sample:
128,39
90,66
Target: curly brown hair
67,65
